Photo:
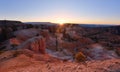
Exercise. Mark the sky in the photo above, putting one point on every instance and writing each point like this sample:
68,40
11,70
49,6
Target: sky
70,11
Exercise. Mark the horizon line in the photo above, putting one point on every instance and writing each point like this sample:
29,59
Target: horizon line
58,23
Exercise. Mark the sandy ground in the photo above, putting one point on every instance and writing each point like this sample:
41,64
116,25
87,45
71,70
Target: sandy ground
23,63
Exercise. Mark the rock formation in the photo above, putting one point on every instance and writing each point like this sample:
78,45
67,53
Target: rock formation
26,34
35,44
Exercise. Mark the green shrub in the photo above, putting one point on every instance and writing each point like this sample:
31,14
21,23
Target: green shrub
80,57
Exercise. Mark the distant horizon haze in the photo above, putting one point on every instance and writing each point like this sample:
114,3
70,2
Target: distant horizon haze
56,22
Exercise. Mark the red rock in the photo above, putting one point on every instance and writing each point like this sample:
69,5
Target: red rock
14,41
118,51
26,34
35,44
45,33
38,45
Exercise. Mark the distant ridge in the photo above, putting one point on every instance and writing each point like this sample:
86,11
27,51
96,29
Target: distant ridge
9,22
37,22
95,25
82,25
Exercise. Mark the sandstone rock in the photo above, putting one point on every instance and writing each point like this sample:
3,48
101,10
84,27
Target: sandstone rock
14,41
38,45
98,52
85,41
26,34
45,34
35,44
118,51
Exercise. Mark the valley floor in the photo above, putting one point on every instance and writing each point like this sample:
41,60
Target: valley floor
25,64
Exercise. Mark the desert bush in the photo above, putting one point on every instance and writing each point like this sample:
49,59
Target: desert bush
2,48
2,52
14,45
16,53
30,26
80,57
110,48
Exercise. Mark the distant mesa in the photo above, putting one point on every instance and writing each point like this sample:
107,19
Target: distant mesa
9,22
37,23
95,25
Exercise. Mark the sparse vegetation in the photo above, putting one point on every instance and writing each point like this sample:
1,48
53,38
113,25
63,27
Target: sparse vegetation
16,53
30,26
14,45
80,57
2,52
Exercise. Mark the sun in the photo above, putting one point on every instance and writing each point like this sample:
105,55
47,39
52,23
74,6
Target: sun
61,21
